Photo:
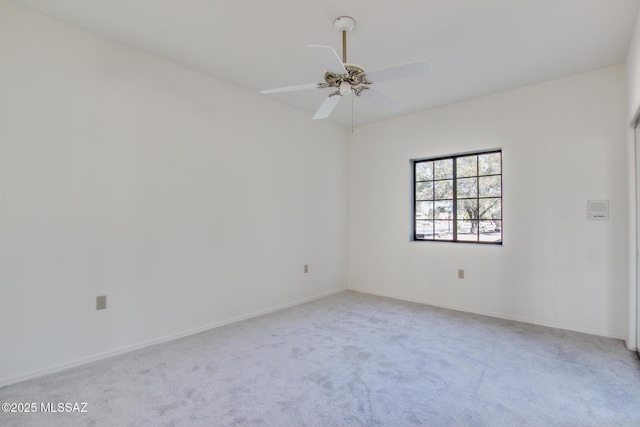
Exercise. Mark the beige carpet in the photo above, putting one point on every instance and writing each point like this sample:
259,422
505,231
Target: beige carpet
351,360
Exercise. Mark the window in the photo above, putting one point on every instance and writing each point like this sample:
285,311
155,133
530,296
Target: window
459,198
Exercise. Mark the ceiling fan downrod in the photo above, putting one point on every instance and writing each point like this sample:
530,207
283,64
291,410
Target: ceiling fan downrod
344,24
344,47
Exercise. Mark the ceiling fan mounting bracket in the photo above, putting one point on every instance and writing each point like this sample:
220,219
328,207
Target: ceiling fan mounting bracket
344,23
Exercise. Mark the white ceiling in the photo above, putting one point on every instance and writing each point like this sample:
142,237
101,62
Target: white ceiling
475,47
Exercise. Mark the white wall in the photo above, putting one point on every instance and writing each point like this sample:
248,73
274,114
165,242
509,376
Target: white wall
187,201
633,84
633,72
563,142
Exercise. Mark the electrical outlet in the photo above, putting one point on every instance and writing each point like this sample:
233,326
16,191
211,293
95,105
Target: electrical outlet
306,268
101,302
460,274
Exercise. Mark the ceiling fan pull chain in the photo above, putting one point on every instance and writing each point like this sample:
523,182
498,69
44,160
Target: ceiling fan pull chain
352,113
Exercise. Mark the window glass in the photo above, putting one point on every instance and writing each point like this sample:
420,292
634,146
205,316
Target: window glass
459,198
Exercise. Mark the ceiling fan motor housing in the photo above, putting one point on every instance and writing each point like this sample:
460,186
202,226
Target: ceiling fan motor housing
356,77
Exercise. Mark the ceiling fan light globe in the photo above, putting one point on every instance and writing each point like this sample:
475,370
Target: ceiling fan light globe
345,88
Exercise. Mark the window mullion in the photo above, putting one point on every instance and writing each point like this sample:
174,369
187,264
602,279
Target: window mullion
454,205
477,220
415,202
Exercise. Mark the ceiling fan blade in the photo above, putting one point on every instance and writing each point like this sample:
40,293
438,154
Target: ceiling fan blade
290,88
382,100
403,71
327,107
329,58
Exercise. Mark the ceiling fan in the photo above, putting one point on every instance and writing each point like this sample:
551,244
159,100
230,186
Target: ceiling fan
352,79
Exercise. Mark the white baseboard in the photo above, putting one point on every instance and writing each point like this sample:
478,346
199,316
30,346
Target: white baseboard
489,314
94,358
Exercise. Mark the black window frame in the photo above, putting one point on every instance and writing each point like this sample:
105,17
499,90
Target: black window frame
454,222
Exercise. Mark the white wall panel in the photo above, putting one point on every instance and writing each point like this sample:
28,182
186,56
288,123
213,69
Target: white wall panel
187,201
563,142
